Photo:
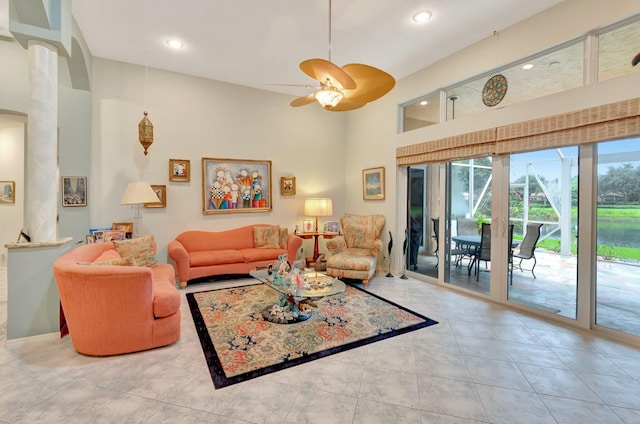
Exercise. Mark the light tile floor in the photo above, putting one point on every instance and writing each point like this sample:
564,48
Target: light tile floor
483,363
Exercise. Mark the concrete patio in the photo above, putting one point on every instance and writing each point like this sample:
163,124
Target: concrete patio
554,289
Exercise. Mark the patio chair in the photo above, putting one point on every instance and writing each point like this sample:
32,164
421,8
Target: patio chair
484,251
467,227
526,250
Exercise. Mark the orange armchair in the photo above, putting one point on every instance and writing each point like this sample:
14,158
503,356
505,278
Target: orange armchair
111,309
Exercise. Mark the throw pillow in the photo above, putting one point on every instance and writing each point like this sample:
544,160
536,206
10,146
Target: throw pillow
267,237
127,261
284,238
142,249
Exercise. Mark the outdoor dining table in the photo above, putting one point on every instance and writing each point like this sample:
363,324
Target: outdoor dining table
473,243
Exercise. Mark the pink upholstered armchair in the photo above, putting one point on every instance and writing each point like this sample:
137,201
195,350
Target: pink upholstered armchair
355,254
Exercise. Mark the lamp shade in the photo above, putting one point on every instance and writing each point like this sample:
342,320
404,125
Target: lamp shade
318,207
137,193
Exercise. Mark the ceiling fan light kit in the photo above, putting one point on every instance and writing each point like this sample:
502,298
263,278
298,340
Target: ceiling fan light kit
346,88
328,96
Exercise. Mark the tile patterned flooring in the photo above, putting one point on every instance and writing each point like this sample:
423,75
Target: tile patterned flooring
483,363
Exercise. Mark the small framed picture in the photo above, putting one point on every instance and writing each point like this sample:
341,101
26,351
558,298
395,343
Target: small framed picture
89,238
179,170
373,183
308,226
74,191
98,236
127,227
333,227
111,235
7,192
287,186
161,192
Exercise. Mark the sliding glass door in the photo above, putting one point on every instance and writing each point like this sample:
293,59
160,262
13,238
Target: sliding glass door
423,204
618,236
468,205
543,208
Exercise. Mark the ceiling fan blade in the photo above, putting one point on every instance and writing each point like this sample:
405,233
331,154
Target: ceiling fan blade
346,104
315,87
305,100
323,71
371,83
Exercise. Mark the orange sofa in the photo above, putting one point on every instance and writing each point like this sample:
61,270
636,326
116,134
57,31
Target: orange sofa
200,254
114,309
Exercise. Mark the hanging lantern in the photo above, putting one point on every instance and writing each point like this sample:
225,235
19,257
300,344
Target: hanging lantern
145,132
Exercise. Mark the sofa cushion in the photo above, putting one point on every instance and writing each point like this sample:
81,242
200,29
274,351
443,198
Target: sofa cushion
164,272
215,257
126,261
352,259
143,249
108,255
261,254
267,237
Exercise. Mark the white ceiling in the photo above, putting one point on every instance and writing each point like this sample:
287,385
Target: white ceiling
256,43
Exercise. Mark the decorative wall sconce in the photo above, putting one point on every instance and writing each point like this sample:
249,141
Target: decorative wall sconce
145,132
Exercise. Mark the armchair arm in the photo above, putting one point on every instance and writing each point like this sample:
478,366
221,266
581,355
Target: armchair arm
336,245
377,247
180,256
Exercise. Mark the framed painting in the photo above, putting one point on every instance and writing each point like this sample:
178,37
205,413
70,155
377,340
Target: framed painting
179,170
127,227
287,186
161,192
74,191
373,183
7,192
234,185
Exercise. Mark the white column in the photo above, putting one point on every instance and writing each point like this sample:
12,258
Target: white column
42,143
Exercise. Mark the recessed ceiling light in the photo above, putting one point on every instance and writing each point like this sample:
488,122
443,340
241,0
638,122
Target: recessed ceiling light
422,17
527,66
176,44
424,103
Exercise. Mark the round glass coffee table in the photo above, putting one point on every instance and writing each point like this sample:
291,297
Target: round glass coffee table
296,303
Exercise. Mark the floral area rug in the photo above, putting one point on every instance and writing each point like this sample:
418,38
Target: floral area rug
239,344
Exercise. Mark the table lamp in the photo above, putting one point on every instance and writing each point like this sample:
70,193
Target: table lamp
137,194
318,207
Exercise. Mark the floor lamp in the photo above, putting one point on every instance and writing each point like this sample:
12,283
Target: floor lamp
137,194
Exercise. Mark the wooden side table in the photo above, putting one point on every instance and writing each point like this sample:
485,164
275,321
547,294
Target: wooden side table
315,236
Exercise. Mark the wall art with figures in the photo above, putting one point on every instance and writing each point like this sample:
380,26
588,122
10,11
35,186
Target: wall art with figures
235,185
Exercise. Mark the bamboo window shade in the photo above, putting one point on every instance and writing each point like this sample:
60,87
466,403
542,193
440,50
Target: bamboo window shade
591,125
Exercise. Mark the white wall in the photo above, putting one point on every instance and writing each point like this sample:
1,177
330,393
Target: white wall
11,169
195,118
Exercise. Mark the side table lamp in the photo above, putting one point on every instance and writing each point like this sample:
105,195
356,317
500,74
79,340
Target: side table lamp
318,207
137,194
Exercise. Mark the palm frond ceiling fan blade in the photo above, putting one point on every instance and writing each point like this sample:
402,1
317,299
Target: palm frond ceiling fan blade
371,83
305,100
347,104
323,71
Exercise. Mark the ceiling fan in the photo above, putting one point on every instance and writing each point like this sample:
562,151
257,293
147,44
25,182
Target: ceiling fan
343,88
